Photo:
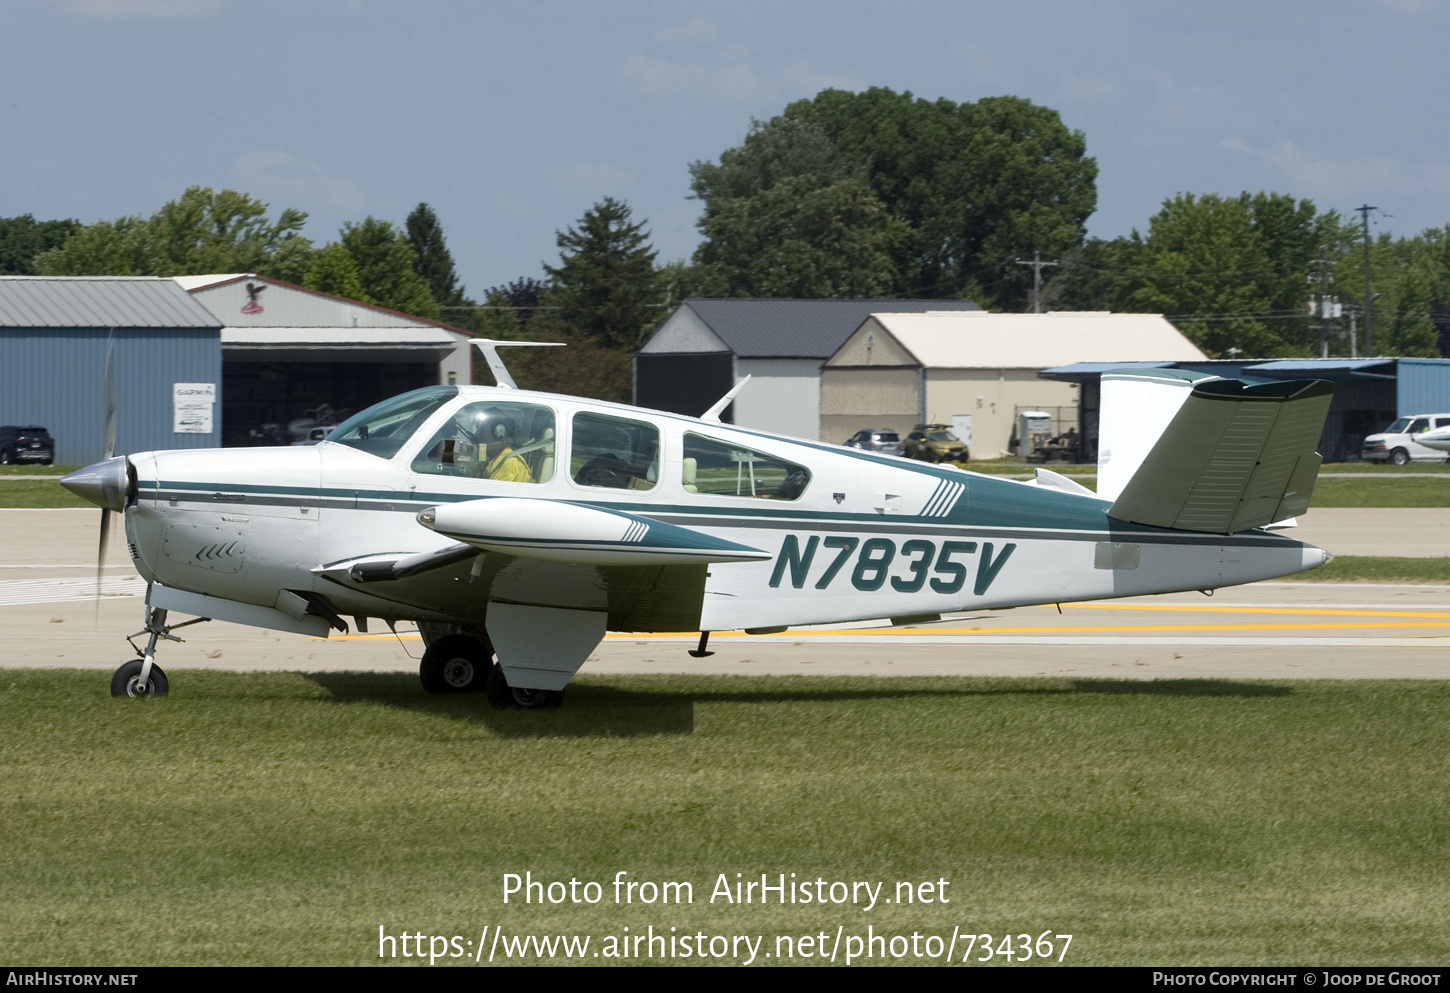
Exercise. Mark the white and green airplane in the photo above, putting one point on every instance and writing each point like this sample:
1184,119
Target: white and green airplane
516,528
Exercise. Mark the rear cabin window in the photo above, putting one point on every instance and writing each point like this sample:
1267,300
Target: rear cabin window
507,442
614,452
718,468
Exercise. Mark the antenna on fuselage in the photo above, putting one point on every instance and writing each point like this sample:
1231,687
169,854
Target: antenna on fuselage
489,348
713,414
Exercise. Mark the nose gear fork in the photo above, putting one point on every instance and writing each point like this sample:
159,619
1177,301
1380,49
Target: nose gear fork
144,678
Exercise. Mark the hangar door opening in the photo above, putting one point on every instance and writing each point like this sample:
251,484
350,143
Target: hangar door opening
261,398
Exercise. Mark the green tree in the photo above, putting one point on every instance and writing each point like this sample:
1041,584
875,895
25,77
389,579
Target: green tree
1410,278
334,271
605,284
798,239
204,231
22,238
1234,273
384,260
966,188
432,260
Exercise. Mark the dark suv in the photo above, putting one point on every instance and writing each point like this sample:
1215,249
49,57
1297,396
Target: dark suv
882,440
27,444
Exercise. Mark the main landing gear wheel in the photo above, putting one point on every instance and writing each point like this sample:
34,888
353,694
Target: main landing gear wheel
127,681
503,696
456,664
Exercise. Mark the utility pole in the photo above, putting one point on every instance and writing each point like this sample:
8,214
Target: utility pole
1368,300
1036,265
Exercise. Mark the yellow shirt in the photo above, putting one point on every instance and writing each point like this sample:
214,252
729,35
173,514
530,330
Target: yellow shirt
509,467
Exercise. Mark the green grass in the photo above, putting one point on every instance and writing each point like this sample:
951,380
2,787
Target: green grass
1378,569
281,818
37,493
36,470
1381,491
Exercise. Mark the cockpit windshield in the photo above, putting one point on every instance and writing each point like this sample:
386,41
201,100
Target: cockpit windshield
384,427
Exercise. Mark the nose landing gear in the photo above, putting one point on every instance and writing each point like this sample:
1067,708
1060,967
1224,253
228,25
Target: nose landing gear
142,677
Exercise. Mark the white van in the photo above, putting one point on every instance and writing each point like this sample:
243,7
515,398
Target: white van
1397,443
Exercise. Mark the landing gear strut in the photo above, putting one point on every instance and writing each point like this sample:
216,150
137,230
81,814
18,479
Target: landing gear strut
142,677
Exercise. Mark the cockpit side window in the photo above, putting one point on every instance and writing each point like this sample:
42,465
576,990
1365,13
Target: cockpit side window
384,428
614,452
508,442
719,468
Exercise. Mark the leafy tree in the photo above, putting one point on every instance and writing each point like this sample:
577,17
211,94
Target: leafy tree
432,260
523,295
966,188
204,231
798,239
585,367
1410,278
334,271
1233,272
605,283
22,238
384,260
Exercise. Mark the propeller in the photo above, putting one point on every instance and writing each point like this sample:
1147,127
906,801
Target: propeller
110,452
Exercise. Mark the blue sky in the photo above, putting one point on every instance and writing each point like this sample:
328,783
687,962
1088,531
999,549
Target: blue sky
512,118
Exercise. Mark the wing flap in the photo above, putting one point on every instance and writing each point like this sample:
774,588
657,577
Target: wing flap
1236,456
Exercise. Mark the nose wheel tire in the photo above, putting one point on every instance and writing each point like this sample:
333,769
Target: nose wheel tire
455,664
127,681
503,696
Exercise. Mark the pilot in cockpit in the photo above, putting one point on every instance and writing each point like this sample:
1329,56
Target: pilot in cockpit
494,432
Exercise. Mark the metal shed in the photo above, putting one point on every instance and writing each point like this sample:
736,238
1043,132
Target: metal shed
708,345
54,336
1368,393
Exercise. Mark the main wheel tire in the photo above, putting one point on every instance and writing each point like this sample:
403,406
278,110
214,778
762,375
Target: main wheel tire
455,664
127,681
503,696
1400,457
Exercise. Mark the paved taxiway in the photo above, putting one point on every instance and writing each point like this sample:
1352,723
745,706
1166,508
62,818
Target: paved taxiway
1266,631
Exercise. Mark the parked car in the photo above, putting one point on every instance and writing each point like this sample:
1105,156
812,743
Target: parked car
26,445
1398,443
883,440
935,443
316,436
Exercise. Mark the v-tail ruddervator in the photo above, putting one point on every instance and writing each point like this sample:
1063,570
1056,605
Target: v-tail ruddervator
516,528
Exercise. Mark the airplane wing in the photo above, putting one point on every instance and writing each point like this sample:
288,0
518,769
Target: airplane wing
1237,455
557,531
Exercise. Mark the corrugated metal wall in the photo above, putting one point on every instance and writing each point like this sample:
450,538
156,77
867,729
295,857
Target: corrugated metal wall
1424,386
56,378
783,397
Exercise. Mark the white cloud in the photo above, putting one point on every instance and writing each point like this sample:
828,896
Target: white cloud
595,177
1409,6
736,80
983,65
1322,178
697,31
129,10
1086,89
659,77
281,176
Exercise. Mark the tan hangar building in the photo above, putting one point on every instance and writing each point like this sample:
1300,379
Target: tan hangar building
900,370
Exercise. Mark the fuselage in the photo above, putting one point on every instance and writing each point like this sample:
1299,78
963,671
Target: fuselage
850,534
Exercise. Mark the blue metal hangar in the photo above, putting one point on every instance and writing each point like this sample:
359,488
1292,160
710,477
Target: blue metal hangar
202,361
1368,393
